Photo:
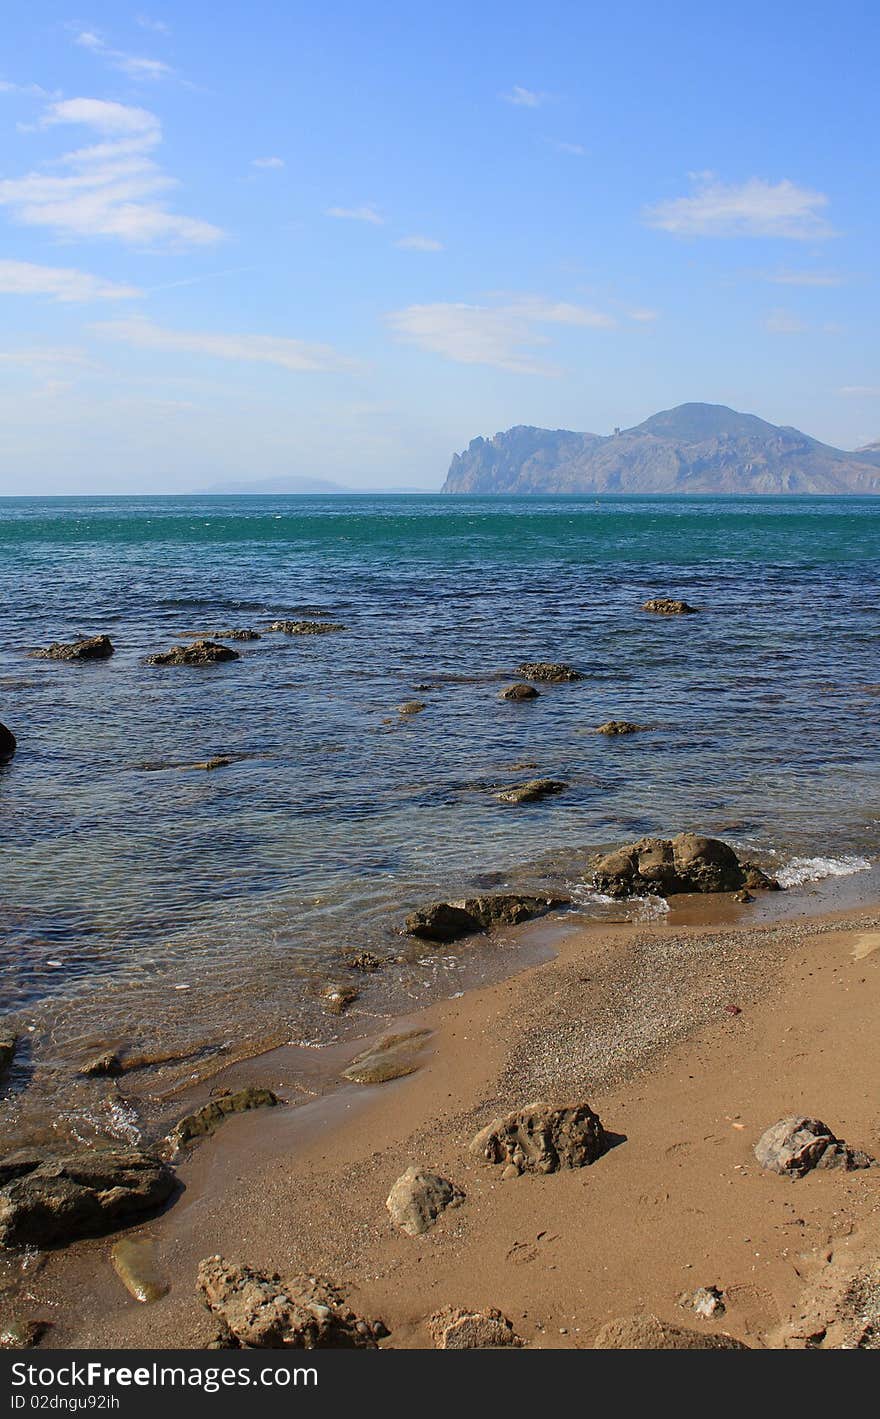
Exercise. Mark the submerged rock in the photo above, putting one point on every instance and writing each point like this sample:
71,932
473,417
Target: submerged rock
620,726
364,961
519,691
17,1333
532,791
206,1120
796,1145
106,1065
551,672
51,1198
306,628
243,633
261,1312
665,866
411,707
450,921
86,648
457,1329
337,998
8,1042
393,1057
649,1332
135,1263
542,1139
8,743
417,1199
668,606
196,653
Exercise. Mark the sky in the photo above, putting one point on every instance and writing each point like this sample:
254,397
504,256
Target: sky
248,242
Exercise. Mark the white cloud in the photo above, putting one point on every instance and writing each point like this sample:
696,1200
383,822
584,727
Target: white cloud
803,278
24,278
47,359
113,188
367,213
782,322
644,315
134,65
750,209
296,355
419,243
860,391
31,90
146,22
524,98
267,162
575,150
500,336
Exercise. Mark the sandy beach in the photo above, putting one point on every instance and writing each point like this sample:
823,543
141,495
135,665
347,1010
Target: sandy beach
687,1036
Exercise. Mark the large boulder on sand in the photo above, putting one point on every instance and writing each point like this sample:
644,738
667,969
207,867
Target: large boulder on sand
196,653
7,743
86,648
417,1199
48,1198
664,866
543,1139
261,1312
450,921
457,1329
796,1145
649,1332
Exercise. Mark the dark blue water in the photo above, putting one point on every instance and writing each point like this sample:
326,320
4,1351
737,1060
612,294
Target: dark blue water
142,896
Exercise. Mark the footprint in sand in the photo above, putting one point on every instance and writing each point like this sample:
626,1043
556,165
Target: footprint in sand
865,944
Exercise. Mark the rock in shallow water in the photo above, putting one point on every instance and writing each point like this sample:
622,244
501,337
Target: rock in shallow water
450,921
135,1263
87,648
665,866
796,1145
457,1329
8,1042
393,1057
519,691
8,743
543,1139
549,671
668,606
417,1199
265,1313
47,1198
306,628
208,1118
613,727
196,653
532,791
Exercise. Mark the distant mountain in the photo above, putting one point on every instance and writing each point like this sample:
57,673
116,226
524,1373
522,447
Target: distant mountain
696,448
280,486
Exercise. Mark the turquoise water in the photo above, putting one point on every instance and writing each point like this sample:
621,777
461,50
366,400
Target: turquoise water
140,898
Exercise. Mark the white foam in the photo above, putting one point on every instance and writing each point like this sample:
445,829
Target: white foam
815,869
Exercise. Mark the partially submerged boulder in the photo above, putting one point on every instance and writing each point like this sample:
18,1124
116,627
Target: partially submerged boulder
306,628
8,743
411,707
237,633
86,648
450,921
417,1199
365,961
206,1120
613,727
668,606
338,997
8,1042
649,1332
392,1057
441,921
519,691
260,1312
665,866
549,671
457,1329
796,1145
202,652
543,1139
532,791
51,1198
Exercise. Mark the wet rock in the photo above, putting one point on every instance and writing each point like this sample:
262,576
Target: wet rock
548,671
196,653
519,691
441,921
649,1332
105,1065
8,1042
135,1263
19,1334
51,1198
757,880
206,1120
337,998
393,1057
620,726
450,921
743,896
532,791
668,606
243,633
796,1145
417,1199
543,1139
665,866
86,648
456,1329
363,961
306,628
411,707
8,743
265,1313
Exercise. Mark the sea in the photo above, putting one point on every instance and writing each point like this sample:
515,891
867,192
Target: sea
179,911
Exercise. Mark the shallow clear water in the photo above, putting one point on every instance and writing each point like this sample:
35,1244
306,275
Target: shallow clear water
179,905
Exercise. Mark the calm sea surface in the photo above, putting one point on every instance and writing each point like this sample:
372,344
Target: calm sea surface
148,903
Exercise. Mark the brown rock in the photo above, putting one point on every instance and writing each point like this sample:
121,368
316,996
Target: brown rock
441,921
337,998
8,1042
263,1312
649,1332
47,1198
306,628
364,961
206,1120
456,1329
243,633
532,791
87,648
665,866
668,606
393,1057
417,1199
135,1262
196,653
519,691
796,1145
17,1333
548,671
543,1139
620,726
411,707
450,921
757,880
108,1064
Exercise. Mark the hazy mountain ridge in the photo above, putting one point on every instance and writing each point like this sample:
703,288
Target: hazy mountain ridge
695,448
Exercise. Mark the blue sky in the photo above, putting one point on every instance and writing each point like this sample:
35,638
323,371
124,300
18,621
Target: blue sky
339,241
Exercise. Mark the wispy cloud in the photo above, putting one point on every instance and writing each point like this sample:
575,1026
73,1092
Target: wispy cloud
47,359
61,283
644,315
419,243
295,355
367,213
135,66
502,336
574,150
34,91
524,98
267,162
783,322
860,391
750,209
113,188
803,278
147,22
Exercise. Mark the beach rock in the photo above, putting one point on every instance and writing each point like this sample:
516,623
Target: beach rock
668,606
620,726
543,1139
411,707
743,896
519,691
243,633
417,1199
548,671
87,648
450,921
392,1057
105,1065
532,791
206,1120
649,1332
363,961
20,1334
706,1301
337,998
664,866
757,880
306,628
51,1198
441,921
796,1145
263,1312
8,1042
134,1260
456,1329
196,653
8,743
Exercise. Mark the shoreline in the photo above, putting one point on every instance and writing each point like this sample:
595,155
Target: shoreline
617,1016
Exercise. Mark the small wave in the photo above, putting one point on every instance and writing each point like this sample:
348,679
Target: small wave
636,908
814,869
